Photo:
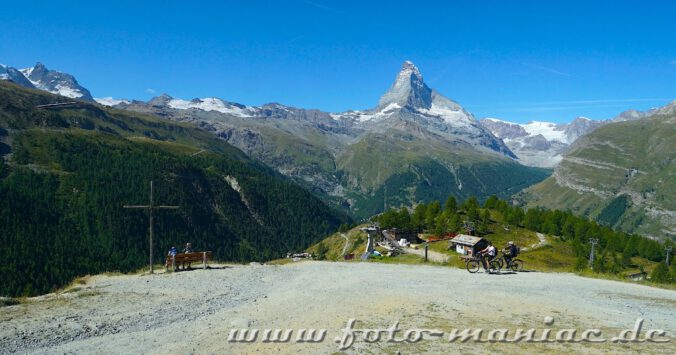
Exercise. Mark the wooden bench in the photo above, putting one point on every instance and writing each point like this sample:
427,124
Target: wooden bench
181,258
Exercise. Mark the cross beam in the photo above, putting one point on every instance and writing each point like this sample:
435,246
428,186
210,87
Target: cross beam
151,207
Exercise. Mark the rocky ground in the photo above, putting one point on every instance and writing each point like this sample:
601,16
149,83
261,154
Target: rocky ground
195,311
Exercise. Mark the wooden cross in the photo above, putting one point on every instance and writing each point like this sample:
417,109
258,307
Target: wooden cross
151,207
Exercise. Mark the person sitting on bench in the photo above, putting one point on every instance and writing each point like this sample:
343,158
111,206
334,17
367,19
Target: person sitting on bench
187,250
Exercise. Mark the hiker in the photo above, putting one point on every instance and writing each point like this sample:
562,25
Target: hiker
187,250
171,254
487,255
172,251
510,251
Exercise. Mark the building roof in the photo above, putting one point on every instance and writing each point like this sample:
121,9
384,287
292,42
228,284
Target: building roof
464,239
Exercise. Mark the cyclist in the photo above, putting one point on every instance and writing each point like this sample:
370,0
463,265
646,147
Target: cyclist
510,251
487,255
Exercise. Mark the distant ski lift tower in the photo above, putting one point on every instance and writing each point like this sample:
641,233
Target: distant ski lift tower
151,207
370,244
593,242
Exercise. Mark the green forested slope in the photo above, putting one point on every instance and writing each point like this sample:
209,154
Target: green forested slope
622,174
397,169
65,174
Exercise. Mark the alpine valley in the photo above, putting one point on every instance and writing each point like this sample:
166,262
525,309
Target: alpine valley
414,145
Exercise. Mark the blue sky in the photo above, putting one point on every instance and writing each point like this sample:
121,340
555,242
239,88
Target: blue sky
516,60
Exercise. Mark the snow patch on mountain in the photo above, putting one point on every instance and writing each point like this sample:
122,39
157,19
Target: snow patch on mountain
109,101
212,104
538,143
451,116
551,131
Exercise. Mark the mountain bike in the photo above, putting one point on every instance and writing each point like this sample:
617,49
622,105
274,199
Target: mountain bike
511,264
473,265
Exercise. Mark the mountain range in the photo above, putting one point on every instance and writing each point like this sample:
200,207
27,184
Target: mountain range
544,144
414,145
622,174
417,145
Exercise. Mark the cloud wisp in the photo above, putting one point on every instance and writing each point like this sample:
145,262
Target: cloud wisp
295,39
550,70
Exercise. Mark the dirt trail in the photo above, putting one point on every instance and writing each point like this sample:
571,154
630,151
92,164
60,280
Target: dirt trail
347,243
194,311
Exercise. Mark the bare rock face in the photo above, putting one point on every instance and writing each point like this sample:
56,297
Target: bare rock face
56,82
408,90
14,75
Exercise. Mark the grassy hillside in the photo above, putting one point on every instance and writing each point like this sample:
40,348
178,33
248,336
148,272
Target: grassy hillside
65,174
622,174
552,241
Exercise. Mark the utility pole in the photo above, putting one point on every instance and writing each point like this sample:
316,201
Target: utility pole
151,207
668,249
593,242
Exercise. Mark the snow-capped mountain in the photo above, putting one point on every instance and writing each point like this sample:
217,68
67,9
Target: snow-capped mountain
14,75
415,144
540,144
543,144
56,82
39,77
409,99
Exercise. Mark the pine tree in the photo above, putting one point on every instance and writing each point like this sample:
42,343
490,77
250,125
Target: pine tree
485,219
418,217
455,223
626,254
600,263
472,213
433,210
451,204
491,202
660,274
441,224
322,249
581,263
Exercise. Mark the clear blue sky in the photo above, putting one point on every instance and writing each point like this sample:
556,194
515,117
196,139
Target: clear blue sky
515,60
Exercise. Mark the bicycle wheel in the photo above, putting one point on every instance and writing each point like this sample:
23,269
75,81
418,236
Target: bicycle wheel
517,265
494,267
500,263
473,266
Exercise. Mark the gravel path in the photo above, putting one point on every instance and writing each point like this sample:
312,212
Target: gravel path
194,311
542,240
347,243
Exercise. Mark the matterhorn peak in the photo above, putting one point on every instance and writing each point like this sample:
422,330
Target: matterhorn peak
409,90
408,68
